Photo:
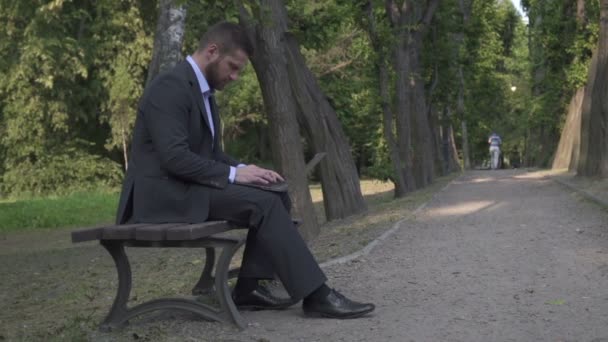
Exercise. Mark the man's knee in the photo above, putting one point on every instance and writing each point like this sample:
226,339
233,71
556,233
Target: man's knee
267,204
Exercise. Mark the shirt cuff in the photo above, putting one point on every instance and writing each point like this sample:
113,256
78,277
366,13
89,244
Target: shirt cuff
232,174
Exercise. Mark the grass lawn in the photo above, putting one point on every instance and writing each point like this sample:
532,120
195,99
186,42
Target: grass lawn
76,210
93,208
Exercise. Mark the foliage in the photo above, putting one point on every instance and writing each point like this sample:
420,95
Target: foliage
63,171
68,61
560,52
72,71
130,53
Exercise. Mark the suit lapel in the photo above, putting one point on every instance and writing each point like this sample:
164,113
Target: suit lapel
198,96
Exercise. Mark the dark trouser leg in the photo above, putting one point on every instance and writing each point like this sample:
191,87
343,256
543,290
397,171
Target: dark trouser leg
273,243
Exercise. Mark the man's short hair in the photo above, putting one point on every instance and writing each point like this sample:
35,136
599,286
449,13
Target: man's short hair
228,37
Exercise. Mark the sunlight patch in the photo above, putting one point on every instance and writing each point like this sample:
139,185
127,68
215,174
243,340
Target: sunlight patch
461,209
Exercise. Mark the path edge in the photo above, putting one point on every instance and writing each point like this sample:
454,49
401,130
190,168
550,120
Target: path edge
589,196
396,226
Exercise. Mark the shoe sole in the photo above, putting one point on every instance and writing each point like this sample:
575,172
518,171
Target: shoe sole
324,315
260,308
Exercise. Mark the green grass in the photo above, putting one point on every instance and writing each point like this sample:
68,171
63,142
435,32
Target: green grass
76,210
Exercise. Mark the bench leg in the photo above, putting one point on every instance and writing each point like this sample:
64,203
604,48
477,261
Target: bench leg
205,283
120,313
221,283
119,307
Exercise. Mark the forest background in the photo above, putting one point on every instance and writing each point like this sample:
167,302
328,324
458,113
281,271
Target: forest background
404,91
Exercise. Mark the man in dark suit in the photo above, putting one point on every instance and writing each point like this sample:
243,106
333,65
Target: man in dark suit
179,173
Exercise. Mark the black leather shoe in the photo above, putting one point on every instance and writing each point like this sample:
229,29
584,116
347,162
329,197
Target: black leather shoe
335,305
261,299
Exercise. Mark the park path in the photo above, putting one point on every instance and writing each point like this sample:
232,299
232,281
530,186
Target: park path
496,256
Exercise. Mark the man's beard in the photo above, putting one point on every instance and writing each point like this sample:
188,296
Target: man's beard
212,76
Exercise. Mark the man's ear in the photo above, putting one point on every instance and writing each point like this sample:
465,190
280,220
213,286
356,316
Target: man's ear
212,51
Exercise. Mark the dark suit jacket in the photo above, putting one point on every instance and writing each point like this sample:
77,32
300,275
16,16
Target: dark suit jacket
173,161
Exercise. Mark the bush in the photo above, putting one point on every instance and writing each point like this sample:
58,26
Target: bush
62,173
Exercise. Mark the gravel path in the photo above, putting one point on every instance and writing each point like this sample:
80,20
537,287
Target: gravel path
496,256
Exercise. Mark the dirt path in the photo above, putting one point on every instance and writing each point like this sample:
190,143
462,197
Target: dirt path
496,256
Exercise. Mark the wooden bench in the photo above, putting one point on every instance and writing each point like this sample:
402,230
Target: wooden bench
206,235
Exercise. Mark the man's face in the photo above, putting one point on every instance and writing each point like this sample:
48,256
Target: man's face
225,68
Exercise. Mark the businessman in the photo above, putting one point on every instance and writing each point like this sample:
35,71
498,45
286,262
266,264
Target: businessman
179,173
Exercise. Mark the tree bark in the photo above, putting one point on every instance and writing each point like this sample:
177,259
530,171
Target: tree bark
339,178
388,122
567,153
410,21
403,113
440,163
569,144
423,147
168,39
125,151
451,153
270,63
465,10
594,127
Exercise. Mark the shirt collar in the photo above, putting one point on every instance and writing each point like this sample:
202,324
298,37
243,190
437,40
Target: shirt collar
202,81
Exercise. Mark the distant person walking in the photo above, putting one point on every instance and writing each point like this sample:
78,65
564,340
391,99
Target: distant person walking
495,142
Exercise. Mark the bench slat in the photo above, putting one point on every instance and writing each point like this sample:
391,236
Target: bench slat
121,232
89,234
152,231
156,232
197,230
94,233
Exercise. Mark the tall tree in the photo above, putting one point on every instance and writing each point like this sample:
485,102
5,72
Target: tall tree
340,182
594,127
339,178
566,155
169,37
124,78
465,10
410,21
388,121
267,28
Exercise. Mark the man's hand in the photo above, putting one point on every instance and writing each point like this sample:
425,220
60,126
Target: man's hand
251,174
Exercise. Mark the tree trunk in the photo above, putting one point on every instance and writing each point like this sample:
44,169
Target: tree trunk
168,39
581,16
270,64
339,178
568,148
594,128
423,147
410,21
465,10
125,152
439,162
461,112
403,112
387,114
566,155
453,163
465,146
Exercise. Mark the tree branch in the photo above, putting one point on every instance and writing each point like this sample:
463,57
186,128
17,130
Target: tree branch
428,16
336,67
